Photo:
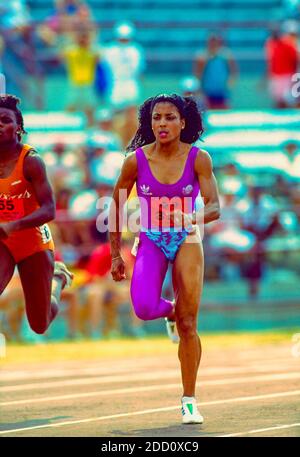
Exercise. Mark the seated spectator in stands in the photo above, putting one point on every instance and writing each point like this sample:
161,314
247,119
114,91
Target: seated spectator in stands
127,64
282,57
65,166
260,217
259,213
81,60
66,229
217,72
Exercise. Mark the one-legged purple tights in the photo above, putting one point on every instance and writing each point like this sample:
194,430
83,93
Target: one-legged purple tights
147,280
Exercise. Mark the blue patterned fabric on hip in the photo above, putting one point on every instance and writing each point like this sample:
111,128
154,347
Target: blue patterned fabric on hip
169,242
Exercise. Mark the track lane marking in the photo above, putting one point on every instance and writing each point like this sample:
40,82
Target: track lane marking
205,371
155,410
133,390
260,430
146,376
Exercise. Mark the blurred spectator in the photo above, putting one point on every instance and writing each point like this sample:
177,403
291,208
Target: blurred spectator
75,15
103,81
69,17
12,309
102,132
66,167
69,306
126,124
225,238
29,47
104,296
190,87
231,181
291,161
282,58
14,15
229,204
23,52
217,71
81,60
259,213
105,168
127,63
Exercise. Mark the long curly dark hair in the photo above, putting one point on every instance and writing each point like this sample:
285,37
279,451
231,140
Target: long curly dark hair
188,110
11,102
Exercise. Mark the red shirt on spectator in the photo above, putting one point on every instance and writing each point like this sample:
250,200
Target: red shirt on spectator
282,56
99,263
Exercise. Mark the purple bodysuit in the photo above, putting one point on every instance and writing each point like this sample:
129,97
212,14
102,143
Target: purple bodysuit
159,241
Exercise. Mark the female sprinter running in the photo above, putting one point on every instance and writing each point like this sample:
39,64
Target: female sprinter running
166,167
26,204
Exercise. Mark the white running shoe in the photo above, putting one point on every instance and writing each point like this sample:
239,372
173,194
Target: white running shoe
172,330
61,270
190,412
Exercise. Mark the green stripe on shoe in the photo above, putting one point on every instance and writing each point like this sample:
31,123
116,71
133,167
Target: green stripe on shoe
190,407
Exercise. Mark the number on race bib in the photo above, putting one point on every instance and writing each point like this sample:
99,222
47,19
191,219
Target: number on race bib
11,210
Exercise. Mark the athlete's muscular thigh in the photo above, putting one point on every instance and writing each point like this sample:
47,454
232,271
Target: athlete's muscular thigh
7,266
36,273
187,278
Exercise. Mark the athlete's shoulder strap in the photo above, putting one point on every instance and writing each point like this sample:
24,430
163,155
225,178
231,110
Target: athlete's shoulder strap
26,149
192,157
141,159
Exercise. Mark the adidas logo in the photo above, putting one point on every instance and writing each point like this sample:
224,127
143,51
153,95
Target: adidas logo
187,190
190,407
145,189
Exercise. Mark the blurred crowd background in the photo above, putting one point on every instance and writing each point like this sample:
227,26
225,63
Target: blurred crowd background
82,68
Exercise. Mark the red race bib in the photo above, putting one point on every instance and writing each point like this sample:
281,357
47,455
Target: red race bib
11,210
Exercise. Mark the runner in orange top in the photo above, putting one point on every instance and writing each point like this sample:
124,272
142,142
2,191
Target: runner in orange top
26,205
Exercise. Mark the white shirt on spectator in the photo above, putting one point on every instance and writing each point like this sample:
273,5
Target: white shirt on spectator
126,61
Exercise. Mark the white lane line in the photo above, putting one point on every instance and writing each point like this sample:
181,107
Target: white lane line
156,410
117,369
260,430
67,369
146,376
102,393
133,390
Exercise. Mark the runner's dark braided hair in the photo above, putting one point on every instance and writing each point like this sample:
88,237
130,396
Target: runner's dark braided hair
188,110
